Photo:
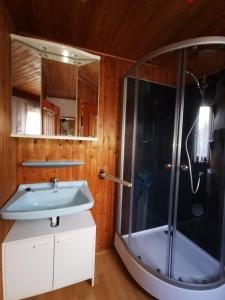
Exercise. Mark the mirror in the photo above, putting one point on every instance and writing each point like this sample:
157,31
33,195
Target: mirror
55,90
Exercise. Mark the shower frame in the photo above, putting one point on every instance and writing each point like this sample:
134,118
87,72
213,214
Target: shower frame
121,246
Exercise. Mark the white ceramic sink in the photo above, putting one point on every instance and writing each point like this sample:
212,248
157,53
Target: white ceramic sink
42,200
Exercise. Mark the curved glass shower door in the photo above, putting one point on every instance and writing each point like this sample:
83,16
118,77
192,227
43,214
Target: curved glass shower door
198,248
173,152
148,135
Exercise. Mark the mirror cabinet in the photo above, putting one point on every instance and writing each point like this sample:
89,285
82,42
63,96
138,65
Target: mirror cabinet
55,90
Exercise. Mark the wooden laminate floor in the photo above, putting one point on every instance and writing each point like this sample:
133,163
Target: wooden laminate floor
112,282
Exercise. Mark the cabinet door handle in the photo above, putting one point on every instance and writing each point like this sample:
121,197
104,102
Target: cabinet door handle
41,245
64,240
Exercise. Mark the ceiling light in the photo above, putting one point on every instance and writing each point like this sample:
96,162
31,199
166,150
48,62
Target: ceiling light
65,53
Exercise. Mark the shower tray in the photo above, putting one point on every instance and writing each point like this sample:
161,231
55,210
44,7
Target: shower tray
190,264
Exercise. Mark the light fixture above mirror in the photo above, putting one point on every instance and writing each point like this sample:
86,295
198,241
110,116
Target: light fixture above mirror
55,90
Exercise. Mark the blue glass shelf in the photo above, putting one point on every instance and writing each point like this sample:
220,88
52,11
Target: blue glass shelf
52,163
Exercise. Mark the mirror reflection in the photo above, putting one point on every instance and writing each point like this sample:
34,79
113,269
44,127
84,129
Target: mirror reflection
88,99
59,95
26,90
54,90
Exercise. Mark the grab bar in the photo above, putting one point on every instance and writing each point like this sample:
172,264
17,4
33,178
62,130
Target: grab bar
103,175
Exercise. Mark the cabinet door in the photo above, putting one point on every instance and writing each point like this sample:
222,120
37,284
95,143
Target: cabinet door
74,257
27,267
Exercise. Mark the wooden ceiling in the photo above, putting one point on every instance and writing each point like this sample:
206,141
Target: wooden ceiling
125,28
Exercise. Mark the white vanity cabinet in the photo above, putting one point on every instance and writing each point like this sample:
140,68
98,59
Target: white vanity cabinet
76,244
38,258
28,267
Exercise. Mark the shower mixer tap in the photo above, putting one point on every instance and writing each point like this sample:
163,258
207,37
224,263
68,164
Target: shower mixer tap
184,168
55,182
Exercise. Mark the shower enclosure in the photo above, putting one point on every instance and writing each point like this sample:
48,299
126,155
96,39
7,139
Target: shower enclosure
171,223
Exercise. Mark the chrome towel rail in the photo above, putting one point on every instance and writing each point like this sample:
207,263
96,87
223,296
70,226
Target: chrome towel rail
103,175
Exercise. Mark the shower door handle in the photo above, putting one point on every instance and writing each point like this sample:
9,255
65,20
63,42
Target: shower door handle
184,168
167,167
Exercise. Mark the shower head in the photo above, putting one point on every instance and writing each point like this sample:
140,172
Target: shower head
199,86
194,77
196,81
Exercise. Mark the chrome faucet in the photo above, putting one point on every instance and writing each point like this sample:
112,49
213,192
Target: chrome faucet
55,182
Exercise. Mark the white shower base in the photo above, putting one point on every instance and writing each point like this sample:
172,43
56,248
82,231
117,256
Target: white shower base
191,264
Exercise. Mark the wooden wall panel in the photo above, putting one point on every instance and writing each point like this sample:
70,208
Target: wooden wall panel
7,145
162,74
102,153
